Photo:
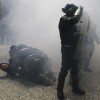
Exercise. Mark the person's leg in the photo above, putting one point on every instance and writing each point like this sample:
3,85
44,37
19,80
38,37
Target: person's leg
87,61
86,65
88,57
66,65
61,81
75,80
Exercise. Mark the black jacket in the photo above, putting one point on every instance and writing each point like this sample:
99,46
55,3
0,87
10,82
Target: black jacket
68,30
22,58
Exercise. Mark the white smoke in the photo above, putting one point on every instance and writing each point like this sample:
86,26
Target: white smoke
35,22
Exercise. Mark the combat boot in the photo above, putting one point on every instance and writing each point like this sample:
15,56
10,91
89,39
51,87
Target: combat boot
78,91
60,95
60,86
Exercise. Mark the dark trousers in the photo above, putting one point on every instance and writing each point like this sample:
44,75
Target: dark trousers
68,63
86,58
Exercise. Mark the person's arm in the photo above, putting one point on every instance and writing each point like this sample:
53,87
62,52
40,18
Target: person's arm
75,18
14,67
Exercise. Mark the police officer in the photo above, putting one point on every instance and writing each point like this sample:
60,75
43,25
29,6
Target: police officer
29,63
69,37
91,36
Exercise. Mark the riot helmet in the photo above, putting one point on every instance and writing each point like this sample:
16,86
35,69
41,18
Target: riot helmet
70,9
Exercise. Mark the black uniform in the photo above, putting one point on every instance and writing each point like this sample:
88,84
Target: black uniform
31,64
91,37
69,37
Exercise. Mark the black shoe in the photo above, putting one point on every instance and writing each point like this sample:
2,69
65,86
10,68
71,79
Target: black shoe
87,70
79,91
60,95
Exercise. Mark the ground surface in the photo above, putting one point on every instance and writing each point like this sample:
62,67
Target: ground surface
14,89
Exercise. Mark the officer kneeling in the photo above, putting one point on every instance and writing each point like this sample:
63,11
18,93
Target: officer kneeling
29,63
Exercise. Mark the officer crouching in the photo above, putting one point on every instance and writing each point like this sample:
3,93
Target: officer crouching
29,63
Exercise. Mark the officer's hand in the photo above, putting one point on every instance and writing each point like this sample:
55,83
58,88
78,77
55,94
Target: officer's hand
81,10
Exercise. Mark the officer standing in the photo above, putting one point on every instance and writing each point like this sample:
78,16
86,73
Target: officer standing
69,38
91,37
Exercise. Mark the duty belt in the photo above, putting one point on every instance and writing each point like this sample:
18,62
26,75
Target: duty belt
67,46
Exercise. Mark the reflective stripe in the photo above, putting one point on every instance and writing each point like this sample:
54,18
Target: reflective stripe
17,74
24,49
67,46
29,56
36,59
19,68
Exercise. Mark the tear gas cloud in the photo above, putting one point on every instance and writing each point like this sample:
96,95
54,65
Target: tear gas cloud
35,23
